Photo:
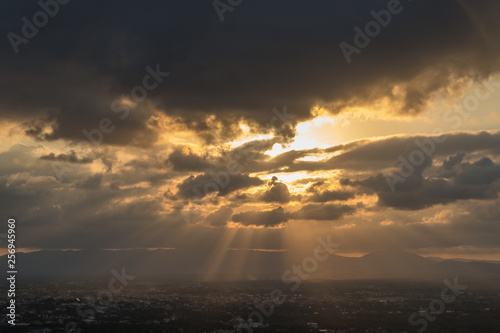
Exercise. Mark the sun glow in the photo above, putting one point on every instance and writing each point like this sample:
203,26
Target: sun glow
276,150
315,133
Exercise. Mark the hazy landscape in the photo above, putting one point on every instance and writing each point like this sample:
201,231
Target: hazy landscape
388,264
231,166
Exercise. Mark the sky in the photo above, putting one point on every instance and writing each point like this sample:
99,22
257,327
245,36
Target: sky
258,126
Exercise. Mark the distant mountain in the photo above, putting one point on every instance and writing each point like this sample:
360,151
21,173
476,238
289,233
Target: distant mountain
393,263
147,263
386,264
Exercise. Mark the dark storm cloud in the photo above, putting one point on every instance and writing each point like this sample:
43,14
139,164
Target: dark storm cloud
451,161
322,212
366,155
187,161
482,172
412,182
264,55
67,214
433,192
262,218
221,182
277,192
106,156
472,181
321,195
71,157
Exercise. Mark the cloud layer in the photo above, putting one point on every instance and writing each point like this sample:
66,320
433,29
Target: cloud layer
154,124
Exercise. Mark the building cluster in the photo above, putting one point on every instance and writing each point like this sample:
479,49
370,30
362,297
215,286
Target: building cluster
330,307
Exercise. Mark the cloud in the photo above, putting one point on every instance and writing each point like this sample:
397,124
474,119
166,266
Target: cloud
451,161
327,195
472,181
221,182
180,160
269,218
277,192
29,195
66,214
232,81
332,195
481,172
220,217
92,183
322,212
433,192
216,81
384,153
71,157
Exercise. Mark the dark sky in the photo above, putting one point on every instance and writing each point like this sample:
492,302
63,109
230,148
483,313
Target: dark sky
90,158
